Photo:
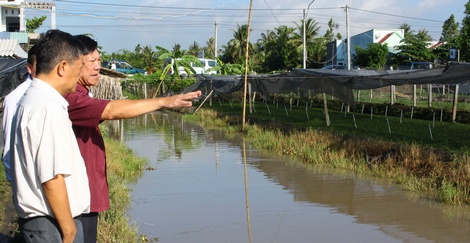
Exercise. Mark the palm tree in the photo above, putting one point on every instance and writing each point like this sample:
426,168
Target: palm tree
407,29
209,50
260,46
194,49
149,57
236,47
311,32
424,35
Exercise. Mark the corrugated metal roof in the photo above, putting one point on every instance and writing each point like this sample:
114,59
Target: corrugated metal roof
21,37
11,48
4,35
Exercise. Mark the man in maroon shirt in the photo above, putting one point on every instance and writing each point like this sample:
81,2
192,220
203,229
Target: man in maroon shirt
86,113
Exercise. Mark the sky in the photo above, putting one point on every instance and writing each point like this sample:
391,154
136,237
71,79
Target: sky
121,24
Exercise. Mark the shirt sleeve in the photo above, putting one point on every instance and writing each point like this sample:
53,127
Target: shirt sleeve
85,111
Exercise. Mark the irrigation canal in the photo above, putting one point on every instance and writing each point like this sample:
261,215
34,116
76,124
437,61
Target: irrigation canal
204,186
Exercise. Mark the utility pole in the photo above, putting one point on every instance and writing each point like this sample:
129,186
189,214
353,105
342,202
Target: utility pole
215,40
348,38
53,21
22,20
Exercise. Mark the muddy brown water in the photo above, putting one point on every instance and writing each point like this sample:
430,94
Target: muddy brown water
205,186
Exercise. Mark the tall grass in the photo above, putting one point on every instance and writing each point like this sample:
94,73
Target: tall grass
123,168
440,174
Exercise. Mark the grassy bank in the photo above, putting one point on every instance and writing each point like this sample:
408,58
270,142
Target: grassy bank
123,168
436,172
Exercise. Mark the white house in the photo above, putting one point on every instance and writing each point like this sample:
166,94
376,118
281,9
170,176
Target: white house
10,15
337,50
13,25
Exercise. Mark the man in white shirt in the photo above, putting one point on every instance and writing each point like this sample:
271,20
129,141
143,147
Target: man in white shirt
49,181
9,107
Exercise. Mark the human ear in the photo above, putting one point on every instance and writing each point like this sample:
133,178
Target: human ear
61,68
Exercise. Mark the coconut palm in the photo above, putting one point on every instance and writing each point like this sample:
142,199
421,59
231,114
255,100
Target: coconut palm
236,47
311,32
194,49
209,50
148,57
407,29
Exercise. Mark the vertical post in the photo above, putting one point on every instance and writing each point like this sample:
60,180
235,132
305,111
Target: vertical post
325,105
250,100
414,95
53,22
210,100
22,20
430,95
348,38
304,42
454,106
246,66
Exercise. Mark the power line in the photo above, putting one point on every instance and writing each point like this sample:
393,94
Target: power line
395,15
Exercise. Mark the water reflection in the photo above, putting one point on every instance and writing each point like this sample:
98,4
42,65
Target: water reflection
247,204
208,188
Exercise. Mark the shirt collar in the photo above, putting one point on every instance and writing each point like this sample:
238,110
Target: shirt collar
49,90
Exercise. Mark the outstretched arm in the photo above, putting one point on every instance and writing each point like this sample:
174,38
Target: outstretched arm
122,109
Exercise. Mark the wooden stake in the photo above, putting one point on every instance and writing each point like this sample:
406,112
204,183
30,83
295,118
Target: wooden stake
203,101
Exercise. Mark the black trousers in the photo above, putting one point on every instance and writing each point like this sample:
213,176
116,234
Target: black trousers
90,226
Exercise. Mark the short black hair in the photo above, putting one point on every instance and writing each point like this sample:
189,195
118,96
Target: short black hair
88,43
56,46
32,55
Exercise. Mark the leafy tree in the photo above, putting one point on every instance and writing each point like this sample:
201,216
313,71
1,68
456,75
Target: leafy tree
330,32
282,54
34,23
449,37
450,30
260,48
317,52
414,47
464,37
373,57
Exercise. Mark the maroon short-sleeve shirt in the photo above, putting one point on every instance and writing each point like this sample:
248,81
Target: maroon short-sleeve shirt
85,113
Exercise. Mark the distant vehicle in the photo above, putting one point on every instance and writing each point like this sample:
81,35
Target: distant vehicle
208,66
334,67
205,66
416,65
123,67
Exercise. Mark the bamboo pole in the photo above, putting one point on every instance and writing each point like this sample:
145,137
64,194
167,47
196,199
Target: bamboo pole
325,105
209,95
246,66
